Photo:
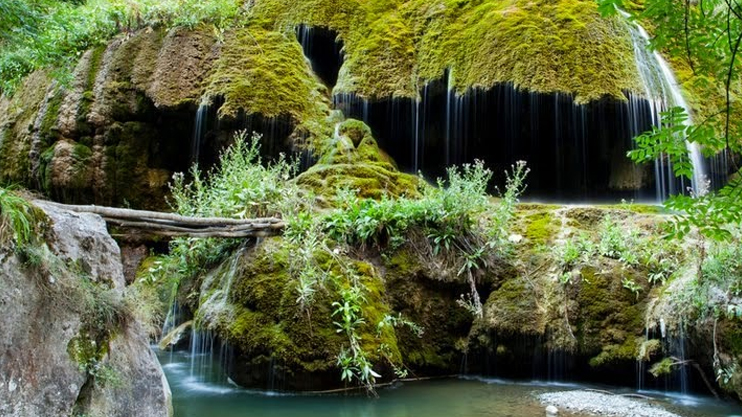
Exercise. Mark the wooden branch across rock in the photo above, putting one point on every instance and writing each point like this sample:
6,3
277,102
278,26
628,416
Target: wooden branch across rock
175,225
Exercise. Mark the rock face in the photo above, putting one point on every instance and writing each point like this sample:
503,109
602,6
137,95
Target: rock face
249,302
125,123
584,296
70,345
127,120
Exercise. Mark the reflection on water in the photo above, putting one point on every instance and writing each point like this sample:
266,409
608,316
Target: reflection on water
210,394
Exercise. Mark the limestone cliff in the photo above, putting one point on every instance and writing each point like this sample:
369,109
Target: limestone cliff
70,345
124,123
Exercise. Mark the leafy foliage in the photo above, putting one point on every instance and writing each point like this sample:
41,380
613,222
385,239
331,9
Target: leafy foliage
631,246
241,186
20,222
445,213
669,140
457,220
703,39
723,267
53,33
353,362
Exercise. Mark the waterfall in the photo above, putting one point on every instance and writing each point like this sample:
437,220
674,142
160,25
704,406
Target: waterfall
577,151
37,144
450,98
199,129
208,364
202,347
171,320
662,92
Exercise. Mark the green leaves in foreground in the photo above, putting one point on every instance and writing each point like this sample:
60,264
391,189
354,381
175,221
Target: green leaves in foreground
712,214
19,220
669,140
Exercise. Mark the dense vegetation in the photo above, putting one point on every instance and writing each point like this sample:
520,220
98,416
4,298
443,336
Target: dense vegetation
704,40
458,223
338,212
392,48
54,33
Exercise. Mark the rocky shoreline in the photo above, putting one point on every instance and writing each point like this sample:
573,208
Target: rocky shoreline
602,404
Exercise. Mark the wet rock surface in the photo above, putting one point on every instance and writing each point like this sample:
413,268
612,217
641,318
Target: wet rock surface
58,356
600,404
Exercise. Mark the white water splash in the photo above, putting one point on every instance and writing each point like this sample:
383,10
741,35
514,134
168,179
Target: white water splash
662,92
199,129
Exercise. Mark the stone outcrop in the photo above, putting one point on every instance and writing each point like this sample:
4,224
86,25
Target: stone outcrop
117,131
71,346
587,292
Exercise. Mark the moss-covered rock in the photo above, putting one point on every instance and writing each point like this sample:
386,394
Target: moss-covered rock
18,123
182,64
609,314
250,302
394,47
265,73
514,309
589,306
352,159
430,302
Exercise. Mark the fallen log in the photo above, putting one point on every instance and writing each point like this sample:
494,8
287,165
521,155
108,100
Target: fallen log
175,225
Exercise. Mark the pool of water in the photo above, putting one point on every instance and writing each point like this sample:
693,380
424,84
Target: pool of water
201,390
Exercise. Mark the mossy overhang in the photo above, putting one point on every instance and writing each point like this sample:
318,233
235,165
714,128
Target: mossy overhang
392,48
263,72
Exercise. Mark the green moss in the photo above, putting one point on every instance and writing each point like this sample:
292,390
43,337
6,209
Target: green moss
637,208
663,367
370,181
148,44
615,353
404,262
45,169
393,47
609,315
86,351
355,130
587,217
430,304
541,227
262,318
648,349
128,176
265,73
353,160
16,127
88,97
513,309
526,207
47,128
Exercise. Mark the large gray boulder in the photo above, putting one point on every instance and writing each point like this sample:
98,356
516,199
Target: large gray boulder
57,356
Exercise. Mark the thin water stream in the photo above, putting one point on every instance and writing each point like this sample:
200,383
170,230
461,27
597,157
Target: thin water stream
209,393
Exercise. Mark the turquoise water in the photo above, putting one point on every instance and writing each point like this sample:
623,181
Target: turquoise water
200,390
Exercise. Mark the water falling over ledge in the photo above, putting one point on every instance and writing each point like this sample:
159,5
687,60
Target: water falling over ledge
575,152
323,49
663,92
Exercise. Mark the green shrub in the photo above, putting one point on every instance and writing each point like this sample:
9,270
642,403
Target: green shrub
53,33
446,213
20,221
241,186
